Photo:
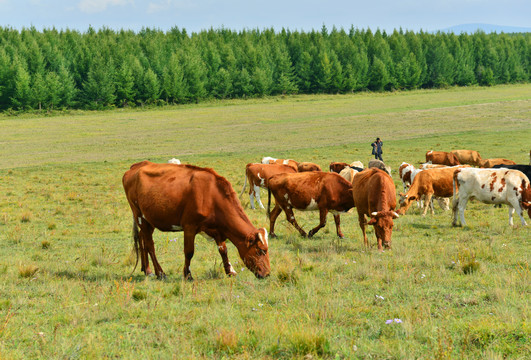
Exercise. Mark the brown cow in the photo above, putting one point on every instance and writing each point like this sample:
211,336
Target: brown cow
426,184
257,175
337,166
470,157
269,160
374,195
442,157
308,166
323,191
489,163
194,200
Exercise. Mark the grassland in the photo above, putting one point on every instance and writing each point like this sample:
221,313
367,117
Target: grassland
66,289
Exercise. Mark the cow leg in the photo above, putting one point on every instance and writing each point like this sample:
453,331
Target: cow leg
251,197
462,207
337,220
149,248
519,211
322,222
455,205
229,270
291,218
428,204
272,218
189,239
257,196
363,225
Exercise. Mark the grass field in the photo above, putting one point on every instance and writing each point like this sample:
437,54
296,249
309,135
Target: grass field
66,288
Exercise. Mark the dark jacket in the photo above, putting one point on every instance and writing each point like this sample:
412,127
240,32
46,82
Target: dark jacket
377,148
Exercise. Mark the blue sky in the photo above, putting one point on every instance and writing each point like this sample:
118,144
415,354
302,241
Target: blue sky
305,15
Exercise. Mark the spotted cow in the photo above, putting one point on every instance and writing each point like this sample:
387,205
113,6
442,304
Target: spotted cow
491,186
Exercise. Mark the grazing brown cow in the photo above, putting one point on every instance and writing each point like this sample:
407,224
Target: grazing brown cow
374,195
442,157
269,160
323,191
489,163
337,166
470,157
308,166
426,184
194,200
258,175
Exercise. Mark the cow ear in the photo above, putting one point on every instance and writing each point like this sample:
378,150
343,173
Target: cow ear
402,194
372,221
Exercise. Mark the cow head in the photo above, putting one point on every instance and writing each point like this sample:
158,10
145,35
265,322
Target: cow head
526,198
383,226
256,257
405,202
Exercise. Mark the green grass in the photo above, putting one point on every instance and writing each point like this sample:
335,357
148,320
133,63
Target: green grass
66,288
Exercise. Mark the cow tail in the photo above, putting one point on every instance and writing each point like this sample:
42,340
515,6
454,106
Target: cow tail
268,203
244,184
455,185
136,243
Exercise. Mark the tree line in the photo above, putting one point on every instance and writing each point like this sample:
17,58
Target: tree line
98,69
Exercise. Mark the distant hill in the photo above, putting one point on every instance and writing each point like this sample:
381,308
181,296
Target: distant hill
488,28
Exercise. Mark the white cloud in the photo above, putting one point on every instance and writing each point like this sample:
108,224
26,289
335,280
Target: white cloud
166,5
95,6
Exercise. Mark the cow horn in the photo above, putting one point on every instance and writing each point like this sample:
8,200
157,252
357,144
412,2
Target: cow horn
374,213
395,215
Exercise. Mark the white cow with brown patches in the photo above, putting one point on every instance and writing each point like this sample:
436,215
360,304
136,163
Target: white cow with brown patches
491,186
258,176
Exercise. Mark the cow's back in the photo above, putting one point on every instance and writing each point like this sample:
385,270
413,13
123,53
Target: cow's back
470,157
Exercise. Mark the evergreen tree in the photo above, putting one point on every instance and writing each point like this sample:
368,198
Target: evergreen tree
151,87
53,95
39,91
173,86
98,90
68,90
379,76
221,84
303,69
124,84
22,88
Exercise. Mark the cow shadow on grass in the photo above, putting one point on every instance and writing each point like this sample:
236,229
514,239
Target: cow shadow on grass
78,275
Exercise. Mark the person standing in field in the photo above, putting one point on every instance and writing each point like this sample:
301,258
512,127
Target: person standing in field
377,149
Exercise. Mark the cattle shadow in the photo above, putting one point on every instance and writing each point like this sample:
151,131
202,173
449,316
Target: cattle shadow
77,275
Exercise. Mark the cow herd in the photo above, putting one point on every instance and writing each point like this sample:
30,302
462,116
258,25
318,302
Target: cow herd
195,200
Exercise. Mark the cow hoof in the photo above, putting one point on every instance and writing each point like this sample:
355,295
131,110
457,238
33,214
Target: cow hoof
310,235
188,277
272,235
341,237
162,276
232,273
150,275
